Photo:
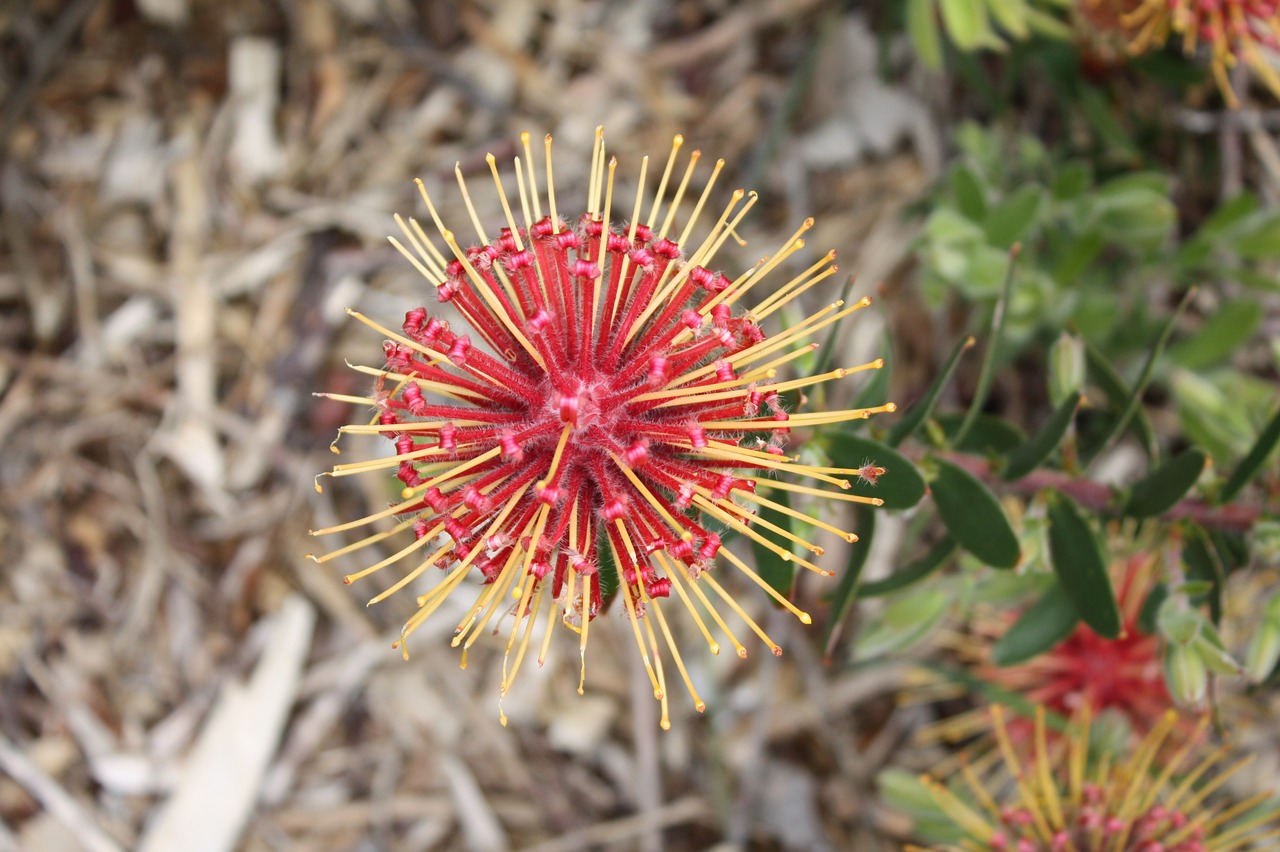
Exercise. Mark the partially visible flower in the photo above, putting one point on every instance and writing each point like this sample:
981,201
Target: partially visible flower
616,413
1122,677
1066,798
1233,30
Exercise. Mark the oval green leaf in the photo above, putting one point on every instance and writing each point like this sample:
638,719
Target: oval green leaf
973,516
901,486
1030,455
1040,627
1082,571
1160,490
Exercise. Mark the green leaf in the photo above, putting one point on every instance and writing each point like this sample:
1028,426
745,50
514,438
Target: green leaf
922,27
1009,220
1223,332
900,487
1105,377
1071,181
905,622
994,333
1030,455
1077,256
1261,241
876,391
912,573
1078,561
1134,398
842,598
966,23
1010,15
1040,627
968,192
918,413
1160,490
1253,460
772,568
973,516
1042,23
989,434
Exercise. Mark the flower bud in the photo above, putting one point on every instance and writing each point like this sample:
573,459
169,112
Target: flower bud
1179,625
1213,654
1263,653
1066,367
1185,674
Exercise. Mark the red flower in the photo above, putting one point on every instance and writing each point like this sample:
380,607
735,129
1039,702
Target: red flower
607,415
1234,31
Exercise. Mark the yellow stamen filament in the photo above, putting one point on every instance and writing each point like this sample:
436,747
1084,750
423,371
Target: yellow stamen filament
694,156
702,200
434,270
768,346
440,388
631,238
795,286
795,513
733,605
774,463
698,703
959,812
769,370
674,577
770,590
686,395
750,531
753,520
1047,786
683,571
452,473
625,588
553,468
411,576
486,293
417,264
416,544
1029,799
676,142
815,418
551,188
676,527
506,204
667,288
533,181
664,721
492,600
597,171
741,286
436,255
362,543
397,509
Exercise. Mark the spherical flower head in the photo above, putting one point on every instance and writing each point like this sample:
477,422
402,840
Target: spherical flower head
1068,797
1233,30
610,412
